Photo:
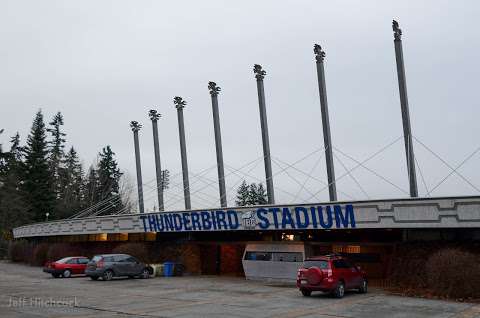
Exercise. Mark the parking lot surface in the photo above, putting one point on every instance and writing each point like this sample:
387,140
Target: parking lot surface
28,292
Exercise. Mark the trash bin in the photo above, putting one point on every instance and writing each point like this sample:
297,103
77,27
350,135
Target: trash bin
168,269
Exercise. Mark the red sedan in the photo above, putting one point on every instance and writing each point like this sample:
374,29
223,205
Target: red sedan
67,266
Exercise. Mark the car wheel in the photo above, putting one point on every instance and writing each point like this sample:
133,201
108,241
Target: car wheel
94,277
55,275
107,275
306,293
339,291
145,273
66,273
364,287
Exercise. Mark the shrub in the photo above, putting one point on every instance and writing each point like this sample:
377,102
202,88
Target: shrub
137,250
3,248
408,265
57,251
39,255
20,251
454,273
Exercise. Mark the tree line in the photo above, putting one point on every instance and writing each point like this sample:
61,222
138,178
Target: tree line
41,179
42,176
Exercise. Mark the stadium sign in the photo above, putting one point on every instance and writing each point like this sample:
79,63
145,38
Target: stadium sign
262,218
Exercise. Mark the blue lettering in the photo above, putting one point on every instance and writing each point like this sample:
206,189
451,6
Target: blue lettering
195,220
178,222
168,222
214,220
341,219
186,221
221,220
313,213
159,222
287,218
152,222
143,217
306,221
261,215
275,218
206,224
321,219
232,223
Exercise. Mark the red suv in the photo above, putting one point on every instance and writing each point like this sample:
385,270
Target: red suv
330,273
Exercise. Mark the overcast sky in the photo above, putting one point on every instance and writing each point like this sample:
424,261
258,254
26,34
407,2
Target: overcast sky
105,63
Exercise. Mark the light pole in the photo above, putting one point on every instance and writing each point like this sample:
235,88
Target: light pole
135,128
214,90
259,75
46,216
407,130
180,104
154,117
327,138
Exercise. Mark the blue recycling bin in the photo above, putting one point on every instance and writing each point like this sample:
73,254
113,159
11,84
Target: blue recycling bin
168,269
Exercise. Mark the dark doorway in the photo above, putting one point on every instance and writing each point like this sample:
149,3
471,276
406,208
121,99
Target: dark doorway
222,259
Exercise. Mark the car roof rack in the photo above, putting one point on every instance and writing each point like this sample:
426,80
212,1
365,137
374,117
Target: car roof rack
334,255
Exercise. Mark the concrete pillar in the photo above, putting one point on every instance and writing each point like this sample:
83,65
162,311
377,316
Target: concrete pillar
327,139
154,117
259,75
407,130
180,104
214,90
135,128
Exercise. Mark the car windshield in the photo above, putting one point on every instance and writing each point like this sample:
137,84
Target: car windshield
96,258
319,264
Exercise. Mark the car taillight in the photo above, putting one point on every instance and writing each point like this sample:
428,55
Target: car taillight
329,273
100,264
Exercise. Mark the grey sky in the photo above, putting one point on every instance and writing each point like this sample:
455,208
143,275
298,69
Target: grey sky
105,63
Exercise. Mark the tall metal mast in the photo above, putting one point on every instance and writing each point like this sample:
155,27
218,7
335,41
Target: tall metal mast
259,75
135,128
180,104
407,130
154,117
214,90
327,138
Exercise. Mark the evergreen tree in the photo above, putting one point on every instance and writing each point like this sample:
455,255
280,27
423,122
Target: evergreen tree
252,194
91,194
56,152
2,156
242,195
72,184
109,182
261,197
13,207
37,184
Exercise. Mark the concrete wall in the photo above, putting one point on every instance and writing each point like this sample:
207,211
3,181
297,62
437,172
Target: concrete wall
452,212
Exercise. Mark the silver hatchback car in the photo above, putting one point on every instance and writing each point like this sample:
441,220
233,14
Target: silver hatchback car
108,266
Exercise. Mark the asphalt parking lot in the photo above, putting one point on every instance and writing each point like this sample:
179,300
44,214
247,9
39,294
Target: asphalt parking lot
28,292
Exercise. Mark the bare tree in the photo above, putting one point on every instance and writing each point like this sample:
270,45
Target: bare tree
126,193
